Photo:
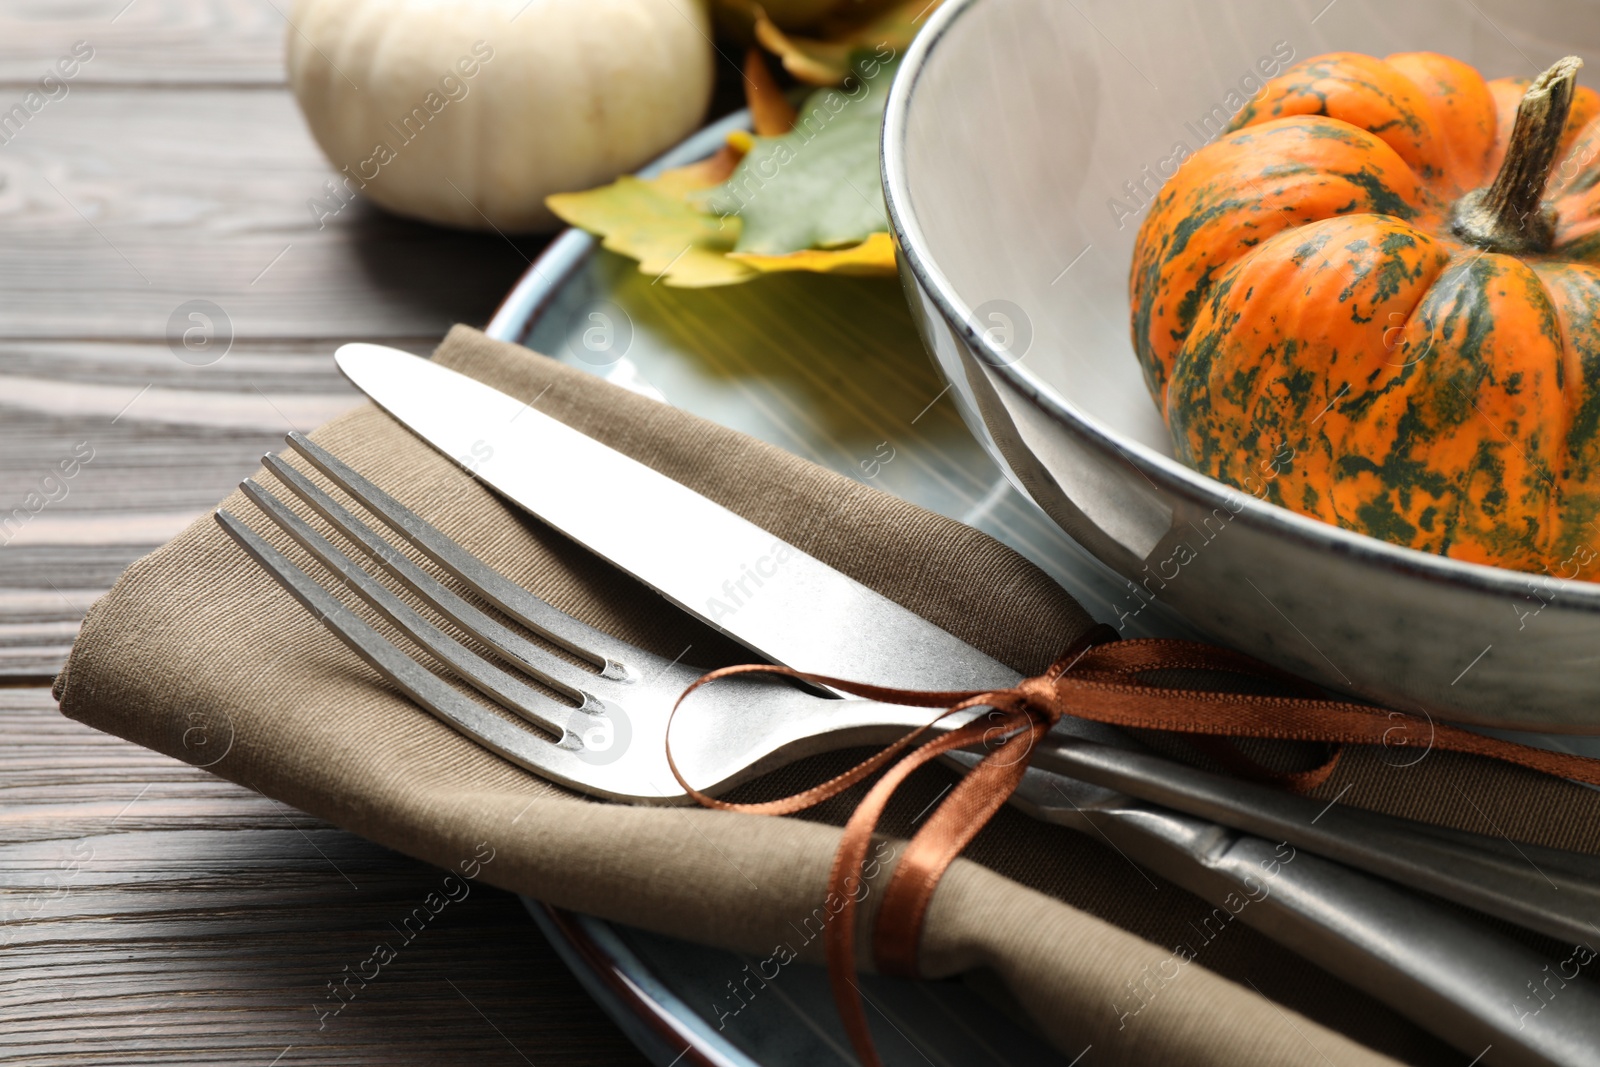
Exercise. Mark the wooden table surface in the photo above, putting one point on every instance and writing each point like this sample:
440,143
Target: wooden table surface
149,912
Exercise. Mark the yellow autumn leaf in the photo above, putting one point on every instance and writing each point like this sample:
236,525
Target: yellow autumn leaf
825,59
873,257
652,221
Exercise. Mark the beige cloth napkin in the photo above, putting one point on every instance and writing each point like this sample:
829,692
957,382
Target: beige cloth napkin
196,653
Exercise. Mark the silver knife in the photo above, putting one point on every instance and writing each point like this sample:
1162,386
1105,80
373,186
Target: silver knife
791,608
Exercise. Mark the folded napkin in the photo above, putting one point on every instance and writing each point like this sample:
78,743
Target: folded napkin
198,654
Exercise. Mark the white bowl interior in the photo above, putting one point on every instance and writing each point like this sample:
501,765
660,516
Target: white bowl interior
1031,115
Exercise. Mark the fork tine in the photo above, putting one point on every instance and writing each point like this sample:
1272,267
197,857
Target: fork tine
515,743
579,638
493,682
572,680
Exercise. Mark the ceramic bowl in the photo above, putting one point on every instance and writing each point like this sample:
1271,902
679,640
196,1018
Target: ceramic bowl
1022,140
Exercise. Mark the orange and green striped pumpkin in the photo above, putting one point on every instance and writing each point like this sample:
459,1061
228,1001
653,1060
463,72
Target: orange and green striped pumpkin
1372,275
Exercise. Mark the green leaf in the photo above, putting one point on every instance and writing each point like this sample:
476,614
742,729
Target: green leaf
816,186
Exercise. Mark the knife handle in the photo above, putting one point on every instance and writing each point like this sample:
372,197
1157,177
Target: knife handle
1547,896
1478,990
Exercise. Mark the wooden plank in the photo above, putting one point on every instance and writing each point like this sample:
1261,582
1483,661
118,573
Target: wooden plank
149,42
153,443
40,626
152,913
122,205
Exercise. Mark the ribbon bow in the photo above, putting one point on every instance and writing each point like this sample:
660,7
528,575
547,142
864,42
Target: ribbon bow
1095,679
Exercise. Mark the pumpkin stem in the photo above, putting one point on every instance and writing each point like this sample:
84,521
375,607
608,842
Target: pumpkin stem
1509,215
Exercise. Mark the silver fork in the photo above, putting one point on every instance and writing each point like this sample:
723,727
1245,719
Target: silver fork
607,738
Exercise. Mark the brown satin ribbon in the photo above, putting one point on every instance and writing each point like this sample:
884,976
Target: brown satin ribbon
1095,679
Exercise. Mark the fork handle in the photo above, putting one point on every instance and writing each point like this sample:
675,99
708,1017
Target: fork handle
1510,886
1485,994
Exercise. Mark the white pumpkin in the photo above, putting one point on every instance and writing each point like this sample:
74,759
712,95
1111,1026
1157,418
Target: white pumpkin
471,112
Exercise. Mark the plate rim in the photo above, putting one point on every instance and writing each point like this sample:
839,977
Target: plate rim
649,1014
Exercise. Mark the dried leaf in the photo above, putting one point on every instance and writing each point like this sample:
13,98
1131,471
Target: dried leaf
800,195
873,257
714,169
816,186
771,114
652,220
825,60
735,18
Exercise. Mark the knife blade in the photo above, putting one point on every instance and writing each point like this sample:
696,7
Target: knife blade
707,560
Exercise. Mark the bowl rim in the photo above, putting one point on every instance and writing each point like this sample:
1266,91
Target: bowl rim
1166,473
